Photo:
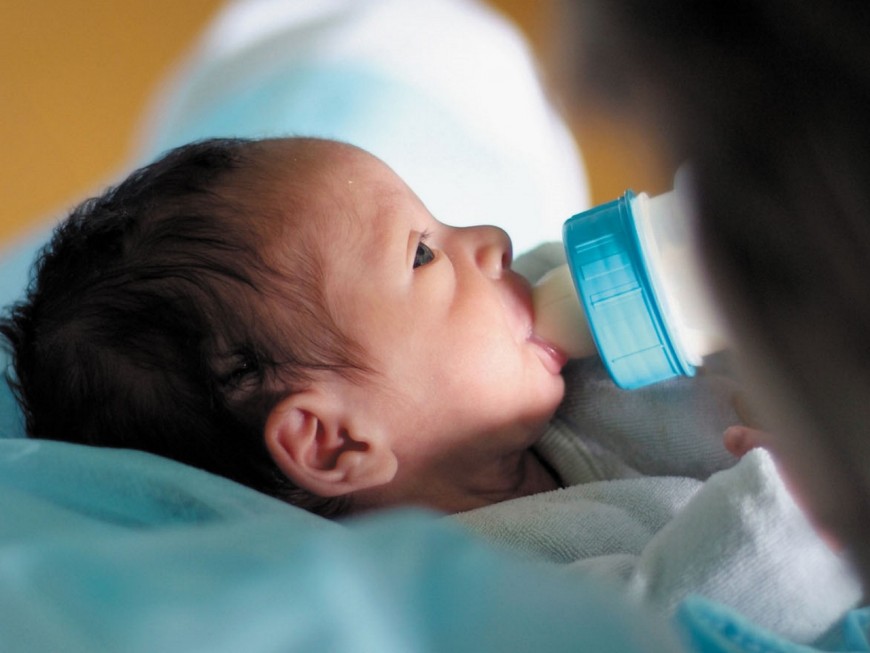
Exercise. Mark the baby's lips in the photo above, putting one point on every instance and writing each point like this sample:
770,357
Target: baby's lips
554,358
521,295
558,315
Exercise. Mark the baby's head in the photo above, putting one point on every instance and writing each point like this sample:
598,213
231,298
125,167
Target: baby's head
288,314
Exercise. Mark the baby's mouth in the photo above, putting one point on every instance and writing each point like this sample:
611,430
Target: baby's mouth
553,358
520,292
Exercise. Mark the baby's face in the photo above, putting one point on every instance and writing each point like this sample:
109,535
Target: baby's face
444,321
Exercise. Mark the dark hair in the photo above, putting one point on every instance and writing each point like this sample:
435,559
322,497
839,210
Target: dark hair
769,102
149,322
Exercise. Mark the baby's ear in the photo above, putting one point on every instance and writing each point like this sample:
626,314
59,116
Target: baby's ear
316,440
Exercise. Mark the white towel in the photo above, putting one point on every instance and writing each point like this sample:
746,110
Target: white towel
737,538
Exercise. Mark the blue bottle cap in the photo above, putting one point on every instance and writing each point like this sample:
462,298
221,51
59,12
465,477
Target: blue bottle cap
612,279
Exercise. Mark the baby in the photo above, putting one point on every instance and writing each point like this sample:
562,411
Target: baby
288,314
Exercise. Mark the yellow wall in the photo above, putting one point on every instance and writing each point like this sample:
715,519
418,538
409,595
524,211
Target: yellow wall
75,74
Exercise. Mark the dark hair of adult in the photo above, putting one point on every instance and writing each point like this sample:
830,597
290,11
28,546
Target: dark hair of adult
149,320
769,102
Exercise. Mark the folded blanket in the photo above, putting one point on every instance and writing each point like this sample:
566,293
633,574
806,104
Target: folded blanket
738,538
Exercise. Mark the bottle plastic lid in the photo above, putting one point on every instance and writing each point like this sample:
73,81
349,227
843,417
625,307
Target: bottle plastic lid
612,280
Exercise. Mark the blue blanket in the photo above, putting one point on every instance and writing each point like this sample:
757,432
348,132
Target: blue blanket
105,550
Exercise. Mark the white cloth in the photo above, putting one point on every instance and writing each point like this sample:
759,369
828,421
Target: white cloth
738,539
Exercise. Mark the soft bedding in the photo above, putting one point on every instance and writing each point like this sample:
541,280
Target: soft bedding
737,539
15,262
105,550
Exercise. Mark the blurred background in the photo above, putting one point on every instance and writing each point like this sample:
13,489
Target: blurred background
75,76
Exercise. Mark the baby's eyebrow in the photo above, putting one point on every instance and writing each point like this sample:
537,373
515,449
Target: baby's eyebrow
386,238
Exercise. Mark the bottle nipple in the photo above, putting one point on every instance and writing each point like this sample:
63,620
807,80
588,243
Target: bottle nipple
559,315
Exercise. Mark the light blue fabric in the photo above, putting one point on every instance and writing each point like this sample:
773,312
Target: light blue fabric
15,264
852,634
709,627
106,550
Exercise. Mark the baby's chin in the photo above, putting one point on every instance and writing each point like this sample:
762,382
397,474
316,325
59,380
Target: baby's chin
558,394
539,422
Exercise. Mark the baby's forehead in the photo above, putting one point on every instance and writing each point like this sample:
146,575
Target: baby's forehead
317,157
334,179
325,191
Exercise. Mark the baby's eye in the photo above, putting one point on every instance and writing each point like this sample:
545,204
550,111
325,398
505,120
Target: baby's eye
423,255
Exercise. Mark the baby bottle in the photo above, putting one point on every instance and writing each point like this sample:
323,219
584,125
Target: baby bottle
633,291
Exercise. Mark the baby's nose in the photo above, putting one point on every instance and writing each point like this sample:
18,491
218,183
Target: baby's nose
493,250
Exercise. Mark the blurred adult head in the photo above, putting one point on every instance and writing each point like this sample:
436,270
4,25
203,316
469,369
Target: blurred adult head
769,102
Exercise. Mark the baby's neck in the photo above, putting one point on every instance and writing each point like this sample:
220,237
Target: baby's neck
539,476
519,475
527,475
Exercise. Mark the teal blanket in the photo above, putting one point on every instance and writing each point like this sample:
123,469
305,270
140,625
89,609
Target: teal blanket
104,550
